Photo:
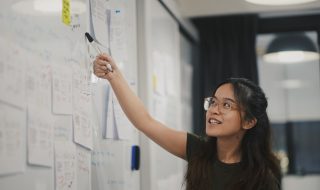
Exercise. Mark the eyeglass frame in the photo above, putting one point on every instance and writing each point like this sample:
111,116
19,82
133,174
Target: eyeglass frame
207,103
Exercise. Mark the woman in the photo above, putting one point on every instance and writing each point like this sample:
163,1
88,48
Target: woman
236,153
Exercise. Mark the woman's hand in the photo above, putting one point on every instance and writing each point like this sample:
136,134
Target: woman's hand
101,68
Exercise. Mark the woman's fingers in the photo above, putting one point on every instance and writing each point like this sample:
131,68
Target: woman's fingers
100,62
100,67
105,57
103,65
100,74
97,70
107,60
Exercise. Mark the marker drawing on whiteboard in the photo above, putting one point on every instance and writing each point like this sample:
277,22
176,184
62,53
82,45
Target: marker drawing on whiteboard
96,47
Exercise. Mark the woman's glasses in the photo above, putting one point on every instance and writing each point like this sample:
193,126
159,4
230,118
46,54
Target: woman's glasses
224,106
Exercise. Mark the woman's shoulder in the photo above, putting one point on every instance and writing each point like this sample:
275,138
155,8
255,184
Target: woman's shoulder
195,144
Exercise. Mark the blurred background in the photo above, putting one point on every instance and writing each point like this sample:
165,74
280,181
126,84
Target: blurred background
173,53
275,43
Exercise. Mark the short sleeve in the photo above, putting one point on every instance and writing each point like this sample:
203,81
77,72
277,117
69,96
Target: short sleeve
194,144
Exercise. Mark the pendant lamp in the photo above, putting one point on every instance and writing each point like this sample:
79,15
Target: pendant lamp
291,48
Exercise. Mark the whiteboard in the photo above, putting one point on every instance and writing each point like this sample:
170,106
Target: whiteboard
40,54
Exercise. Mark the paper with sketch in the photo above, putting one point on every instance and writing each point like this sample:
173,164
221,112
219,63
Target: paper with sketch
100,15
12,74
38,84
62,89
83,160
118,40
122,123
65,166
110,132
171,77
12,133
79,57
63,128
40,137
100,91
109,161
82,107
82,124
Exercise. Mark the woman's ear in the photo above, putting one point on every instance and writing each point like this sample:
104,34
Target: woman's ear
250,123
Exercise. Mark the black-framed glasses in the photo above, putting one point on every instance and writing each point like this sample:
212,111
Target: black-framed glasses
224,106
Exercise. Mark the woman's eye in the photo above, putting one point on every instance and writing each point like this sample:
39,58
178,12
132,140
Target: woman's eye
226,105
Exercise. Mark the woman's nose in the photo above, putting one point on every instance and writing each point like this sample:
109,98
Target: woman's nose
214,109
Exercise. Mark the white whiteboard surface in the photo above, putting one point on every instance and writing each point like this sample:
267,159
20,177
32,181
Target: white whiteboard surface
34,42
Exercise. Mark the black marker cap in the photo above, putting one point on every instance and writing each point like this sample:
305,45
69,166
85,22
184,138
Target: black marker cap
89,37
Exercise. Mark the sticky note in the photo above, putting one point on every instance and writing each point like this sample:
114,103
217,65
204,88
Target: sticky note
154,82
66,18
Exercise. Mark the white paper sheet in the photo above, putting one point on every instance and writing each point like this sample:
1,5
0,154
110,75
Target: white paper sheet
118,29
171,78
186,85
83,158
63,128
110,120
100,91
38,84
12,74
12,132
100,11
122,123
108,160
62,89
80,58
65,166
40,137
82,106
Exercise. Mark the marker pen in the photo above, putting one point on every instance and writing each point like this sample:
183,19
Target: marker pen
96,47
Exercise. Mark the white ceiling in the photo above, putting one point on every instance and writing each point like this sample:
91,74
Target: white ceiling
199,8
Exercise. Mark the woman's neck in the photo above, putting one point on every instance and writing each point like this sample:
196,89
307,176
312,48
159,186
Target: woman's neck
229,149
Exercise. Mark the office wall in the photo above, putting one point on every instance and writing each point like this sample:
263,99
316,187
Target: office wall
310,182
166,66
163,92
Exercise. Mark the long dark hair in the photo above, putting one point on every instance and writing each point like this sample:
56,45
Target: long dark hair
259,165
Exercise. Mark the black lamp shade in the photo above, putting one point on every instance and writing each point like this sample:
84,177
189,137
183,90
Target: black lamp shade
291,42
290,48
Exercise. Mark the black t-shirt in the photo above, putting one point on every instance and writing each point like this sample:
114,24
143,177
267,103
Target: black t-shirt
223,174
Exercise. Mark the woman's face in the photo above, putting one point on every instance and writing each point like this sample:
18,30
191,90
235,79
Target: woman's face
223,117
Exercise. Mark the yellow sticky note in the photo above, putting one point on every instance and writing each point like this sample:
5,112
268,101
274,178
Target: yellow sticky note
66,18
154,82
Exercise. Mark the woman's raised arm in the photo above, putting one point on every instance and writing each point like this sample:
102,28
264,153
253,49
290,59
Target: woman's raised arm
172,140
